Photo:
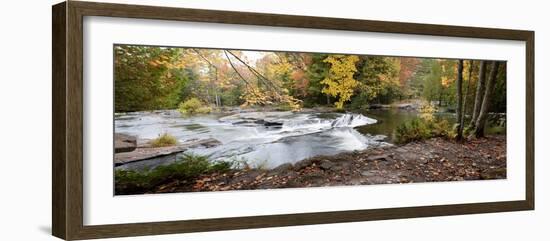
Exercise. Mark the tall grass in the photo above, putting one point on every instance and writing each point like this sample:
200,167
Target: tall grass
164,140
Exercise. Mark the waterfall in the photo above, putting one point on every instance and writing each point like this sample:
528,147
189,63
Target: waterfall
352,120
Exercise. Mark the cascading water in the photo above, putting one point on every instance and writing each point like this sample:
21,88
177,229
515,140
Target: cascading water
352,120
259,138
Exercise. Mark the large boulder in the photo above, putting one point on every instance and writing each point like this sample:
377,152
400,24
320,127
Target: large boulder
125,143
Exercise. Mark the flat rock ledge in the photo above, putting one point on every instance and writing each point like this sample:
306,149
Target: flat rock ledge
145,152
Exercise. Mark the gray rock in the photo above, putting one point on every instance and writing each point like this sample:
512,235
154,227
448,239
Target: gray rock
369,173
281,169
381,157
302,164
374,177
326,164
125,143
148,152
379,106
210,142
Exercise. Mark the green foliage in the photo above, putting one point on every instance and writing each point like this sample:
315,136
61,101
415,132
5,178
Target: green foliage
187,168
495,130
420,129
379,80
164,140
499,93
316,72
193,106
147,78
232,96
414,130
438,83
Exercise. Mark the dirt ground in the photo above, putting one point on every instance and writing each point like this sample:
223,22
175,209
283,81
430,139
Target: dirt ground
433,160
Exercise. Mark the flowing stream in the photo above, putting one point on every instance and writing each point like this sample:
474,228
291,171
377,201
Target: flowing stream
261,139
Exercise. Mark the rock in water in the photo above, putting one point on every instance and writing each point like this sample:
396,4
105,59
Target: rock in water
125,143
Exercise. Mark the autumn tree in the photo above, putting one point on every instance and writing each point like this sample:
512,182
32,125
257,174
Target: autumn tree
316,72
340,82
148,78
378,79
407,69
432,87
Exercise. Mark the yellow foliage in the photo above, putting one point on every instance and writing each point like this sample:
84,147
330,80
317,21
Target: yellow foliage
254,96
427,111
340,82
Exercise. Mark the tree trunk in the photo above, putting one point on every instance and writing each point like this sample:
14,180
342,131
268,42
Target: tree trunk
467,92
459,115
479,92
217,100
482,118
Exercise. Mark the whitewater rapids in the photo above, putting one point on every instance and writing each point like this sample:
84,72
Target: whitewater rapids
262,139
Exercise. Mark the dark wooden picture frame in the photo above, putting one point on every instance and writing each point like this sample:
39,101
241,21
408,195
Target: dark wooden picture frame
67,138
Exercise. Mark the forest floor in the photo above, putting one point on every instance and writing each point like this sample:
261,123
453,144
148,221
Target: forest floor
433,160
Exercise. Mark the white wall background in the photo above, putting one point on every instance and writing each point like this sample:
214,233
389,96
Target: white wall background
25,120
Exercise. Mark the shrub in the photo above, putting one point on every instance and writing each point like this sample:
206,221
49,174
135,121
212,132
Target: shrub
187,168
164,140
441,128
193,106
413,130
420,129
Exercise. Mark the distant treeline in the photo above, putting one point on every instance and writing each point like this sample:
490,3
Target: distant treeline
148,78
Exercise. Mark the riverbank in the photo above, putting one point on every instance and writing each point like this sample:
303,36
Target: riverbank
433,160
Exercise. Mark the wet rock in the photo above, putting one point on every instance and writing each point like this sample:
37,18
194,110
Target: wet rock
272,123
379,138
208,143
125,143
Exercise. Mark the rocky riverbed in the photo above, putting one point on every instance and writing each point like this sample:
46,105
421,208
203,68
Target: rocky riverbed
433,160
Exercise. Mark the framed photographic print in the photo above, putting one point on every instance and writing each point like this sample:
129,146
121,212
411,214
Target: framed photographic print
170,120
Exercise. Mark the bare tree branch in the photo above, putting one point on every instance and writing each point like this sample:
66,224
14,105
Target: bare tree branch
235,69
264,80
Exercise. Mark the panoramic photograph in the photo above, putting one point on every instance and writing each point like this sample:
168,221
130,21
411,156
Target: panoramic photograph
196,119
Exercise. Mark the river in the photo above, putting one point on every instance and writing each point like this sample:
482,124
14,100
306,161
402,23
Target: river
265,139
